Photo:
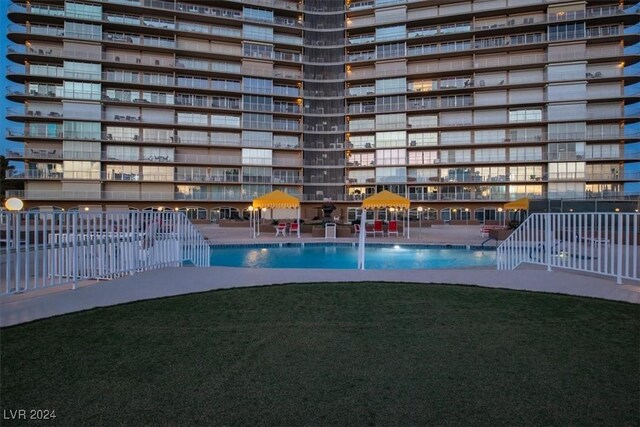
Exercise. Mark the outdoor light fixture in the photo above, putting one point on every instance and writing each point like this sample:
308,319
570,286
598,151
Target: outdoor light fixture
86,208
13,204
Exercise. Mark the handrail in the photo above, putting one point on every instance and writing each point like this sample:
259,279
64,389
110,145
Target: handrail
46,249
601,243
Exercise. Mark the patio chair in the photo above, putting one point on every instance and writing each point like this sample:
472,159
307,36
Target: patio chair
356,230
393,228
281,229
377,227
293,228
369,229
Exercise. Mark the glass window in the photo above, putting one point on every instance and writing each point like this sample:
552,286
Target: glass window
257,121
81,130
82,10
391,174
525,115
256,50
391,85
391,139
256,85
253,156
255,14
81,170
157,173
423,139
255,32
391,33
225,120
82,90
82,70
391,157
83,31
193,118
257,103
569,31
423,157
256,139
390,50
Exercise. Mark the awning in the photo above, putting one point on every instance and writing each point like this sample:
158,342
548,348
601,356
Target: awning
518,204
386,199
276,200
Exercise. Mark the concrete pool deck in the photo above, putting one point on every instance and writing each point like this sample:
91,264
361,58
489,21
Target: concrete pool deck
39,304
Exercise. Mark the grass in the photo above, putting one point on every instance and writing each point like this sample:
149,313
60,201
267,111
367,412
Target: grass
332,354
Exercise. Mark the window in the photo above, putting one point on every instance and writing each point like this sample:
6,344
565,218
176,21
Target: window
391,174
257,103
81,130
391,157
253,156
254,32
525,115
157,173
256,14
193,118
422,85
391,33
82,90
390,50
391,103
255,85
83,31
225,120
390,121
423,139
81,170
256,139
423,157
257,121
256,50
567,170
82,70
567,31
391,139
82,10
391,85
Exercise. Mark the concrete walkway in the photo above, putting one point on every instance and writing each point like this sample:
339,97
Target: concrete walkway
20,308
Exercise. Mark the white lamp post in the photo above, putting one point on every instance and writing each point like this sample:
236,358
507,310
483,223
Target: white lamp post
466,213
251,229
14,205
500,212
420,209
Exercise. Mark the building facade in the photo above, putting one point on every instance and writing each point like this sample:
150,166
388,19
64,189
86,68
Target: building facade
459,105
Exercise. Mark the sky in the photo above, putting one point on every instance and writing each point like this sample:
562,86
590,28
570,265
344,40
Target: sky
4,103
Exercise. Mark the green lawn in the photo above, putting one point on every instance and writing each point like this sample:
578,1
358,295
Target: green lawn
332,354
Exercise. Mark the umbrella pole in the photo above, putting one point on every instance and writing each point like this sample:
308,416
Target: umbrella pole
361,240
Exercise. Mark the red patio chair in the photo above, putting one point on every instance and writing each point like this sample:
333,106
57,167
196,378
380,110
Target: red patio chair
393,228
377,227
293,228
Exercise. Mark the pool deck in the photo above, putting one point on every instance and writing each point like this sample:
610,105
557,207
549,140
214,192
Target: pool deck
39,304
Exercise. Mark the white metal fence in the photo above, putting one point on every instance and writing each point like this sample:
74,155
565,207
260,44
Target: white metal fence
603,243
42,249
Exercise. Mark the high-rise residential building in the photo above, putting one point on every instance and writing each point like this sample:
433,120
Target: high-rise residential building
460,105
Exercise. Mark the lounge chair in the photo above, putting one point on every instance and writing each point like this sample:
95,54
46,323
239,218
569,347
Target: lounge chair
293,228
377,227
281,229
392,228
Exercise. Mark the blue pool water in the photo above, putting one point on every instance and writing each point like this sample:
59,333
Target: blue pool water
346,257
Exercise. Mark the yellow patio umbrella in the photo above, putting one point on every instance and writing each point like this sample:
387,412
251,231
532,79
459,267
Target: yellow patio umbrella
382,200
275,200
522,203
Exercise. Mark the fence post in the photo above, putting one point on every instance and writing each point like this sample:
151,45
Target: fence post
619,267
547,243
74,229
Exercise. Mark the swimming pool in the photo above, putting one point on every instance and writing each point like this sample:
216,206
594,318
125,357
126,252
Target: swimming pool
346,256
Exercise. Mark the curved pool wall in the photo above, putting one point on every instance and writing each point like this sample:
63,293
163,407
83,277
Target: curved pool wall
345,256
